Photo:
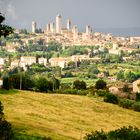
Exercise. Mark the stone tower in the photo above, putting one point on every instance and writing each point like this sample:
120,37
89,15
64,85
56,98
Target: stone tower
88,30
68,24
52,27
75,31
48,28
34,27
58,23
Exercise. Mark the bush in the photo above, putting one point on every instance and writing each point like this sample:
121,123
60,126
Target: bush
72,91
97,135
67,91
137,96
19,136
68,74
13,81
6,132
43,85
101,92
124,133
111,98
100,84
79,85
136,106
126,103
82,92
6,83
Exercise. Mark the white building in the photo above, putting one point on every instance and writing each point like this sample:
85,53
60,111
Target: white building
27,60
61,62
42,61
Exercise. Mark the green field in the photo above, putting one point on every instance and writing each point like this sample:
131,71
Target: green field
63,117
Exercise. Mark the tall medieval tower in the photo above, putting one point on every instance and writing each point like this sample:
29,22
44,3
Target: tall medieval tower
58,23
34,27
68,24
88,30
75,31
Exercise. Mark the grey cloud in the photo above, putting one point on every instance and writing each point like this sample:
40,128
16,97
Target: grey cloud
97,13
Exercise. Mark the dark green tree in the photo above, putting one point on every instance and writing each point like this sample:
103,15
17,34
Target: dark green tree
79,85
5,127
44,85
100,84
6,83
5,30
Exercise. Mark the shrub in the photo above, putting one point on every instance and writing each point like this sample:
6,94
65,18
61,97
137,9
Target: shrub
6,83
68,74
111,98
82,92
124,133
101,92
43,85
20,136
97,135
72,91
67,91
65,85
126,103
136,106
6,132
137,96
79,85
100,84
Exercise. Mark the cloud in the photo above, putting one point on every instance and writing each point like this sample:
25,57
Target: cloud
7,8
10,9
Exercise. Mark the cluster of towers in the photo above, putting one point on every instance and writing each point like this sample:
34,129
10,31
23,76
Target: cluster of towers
51,27
58,29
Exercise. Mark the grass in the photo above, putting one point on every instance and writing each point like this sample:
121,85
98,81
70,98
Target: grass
63,117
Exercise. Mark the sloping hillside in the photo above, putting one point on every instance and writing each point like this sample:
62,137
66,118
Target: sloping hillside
63,117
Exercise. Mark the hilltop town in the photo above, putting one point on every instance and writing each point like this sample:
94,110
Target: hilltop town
95,68
70,50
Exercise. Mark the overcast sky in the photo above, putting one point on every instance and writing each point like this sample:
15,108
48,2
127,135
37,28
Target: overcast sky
102,15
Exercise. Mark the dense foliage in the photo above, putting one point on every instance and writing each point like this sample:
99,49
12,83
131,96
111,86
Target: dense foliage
4,29
6,132
126,103
25,81
111,98
128,75
124,133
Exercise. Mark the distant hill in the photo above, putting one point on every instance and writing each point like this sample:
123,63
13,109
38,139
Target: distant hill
63,117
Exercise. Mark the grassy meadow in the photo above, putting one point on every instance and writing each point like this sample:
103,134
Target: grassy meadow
63,117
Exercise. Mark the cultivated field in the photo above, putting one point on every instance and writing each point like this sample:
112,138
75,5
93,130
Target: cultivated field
63,117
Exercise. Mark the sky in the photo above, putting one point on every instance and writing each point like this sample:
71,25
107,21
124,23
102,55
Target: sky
120,17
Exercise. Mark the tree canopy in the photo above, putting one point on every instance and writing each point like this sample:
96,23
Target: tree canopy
5,30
